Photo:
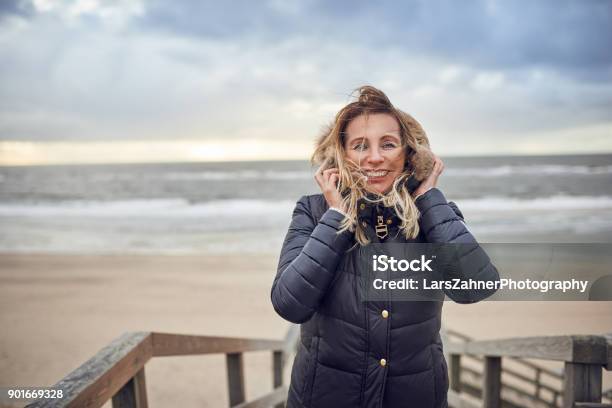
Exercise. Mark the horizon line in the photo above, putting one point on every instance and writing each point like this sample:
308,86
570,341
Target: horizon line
280,159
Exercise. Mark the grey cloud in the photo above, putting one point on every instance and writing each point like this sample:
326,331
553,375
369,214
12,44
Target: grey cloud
20,8
211,19
570,35
268,68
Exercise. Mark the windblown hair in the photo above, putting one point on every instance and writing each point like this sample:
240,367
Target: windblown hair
330,152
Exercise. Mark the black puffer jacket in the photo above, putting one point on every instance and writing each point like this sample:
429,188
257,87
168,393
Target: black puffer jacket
363,354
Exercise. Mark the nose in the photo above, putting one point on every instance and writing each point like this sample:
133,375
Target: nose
375,157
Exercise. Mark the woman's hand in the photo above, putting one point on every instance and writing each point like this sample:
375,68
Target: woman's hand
432,180
327,181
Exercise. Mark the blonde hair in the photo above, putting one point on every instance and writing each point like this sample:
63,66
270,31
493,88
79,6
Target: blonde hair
330,152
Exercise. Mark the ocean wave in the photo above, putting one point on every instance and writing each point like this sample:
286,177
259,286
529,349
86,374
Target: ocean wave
552,203
171,207
180,207
540,169
289,175
209,175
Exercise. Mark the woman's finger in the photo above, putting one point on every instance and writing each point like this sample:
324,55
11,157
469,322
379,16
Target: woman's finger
439,166
319,179
330,171
322,167
323,182
333,179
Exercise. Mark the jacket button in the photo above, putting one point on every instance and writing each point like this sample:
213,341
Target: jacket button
389,221
384,314
383,362
362,206
364,224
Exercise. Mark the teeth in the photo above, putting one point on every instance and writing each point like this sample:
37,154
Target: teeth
377,173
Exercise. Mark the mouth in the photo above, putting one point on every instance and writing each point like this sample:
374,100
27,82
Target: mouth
375,174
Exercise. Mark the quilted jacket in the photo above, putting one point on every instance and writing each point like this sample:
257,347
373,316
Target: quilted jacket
364,354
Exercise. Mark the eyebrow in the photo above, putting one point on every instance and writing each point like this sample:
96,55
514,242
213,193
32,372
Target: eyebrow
386,134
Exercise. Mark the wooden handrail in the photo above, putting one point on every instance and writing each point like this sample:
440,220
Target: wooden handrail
117,370
103,375
167,344
584,358
534,366
574,349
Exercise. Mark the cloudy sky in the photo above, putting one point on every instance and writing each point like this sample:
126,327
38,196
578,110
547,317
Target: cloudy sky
128,80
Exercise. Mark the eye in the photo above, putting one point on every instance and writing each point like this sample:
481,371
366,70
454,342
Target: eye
389,145
359,146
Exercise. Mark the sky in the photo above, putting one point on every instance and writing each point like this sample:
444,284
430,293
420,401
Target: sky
121,81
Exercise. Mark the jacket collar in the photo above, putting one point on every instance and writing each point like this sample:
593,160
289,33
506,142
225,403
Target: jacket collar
376,219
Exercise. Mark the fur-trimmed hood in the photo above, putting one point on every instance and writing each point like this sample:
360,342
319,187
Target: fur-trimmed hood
420,160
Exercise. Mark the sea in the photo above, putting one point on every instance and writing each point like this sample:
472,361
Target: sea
246,207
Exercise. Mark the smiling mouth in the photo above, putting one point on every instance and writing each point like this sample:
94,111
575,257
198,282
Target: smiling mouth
376,173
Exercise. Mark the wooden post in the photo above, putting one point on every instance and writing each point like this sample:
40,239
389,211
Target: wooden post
581,383
455,372
277,372
133,394
491,387
235,378
538,382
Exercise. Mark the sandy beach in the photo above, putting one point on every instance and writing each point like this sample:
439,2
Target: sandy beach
59,310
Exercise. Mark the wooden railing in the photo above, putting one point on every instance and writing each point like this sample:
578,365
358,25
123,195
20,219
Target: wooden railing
583,357
537,377
117,371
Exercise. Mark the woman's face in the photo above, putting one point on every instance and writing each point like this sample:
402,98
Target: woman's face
374,144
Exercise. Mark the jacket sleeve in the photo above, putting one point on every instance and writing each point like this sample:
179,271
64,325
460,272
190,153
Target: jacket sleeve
308,261
442,222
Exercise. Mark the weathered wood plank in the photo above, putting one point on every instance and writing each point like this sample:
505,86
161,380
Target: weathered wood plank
141,389
491,384
578,349
608,337
103,375
277,368
537,380
582,383
133,394
166,344
235,378
278,396
455,372
277,371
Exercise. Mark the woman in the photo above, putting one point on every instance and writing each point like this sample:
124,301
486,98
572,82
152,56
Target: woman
378,180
